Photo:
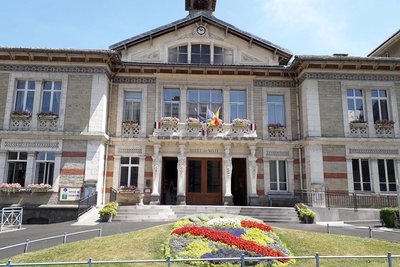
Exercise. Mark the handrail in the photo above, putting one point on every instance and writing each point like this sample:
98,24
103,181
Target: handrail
317,257
86,203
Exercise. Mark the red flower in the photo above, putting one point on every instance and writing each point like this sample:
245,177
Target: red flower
261,226
230,240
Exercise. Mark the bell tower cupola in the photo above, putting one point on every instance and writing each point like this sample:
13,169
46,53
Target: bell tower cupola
194,6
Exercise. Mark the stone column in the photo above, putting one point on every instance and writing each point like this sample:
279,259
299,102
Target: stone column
3,162
228,198
57,168
350,179
29,174
253,170
181,194
142,162
155,195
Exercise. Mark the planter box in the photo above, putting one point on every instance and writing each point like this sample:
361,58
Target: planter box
358,125
23,117
10,190
130,125
47,117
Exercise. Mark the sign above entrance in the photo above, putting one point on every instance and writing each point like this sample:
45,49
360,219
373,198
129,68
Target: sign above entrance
205,150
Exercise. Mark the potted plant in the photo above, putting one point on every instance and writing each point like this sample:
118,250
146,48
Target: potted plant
306,215
107,213
47,115
169,121
21,115
39,188
10,188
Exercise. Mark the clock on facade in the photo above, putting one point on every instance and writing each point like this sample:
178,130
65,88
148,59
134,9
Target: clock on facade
201,30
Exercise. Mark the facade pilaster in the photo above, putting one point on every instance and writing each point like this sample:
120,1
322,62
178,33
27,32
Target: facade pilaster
116,173
30,169
57,168
375,175
314,167
157,159
227,176
181,194
252,174
3,162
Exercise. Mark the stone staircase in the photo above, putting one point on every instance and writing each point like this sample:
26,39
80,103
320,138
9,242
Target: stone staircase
161,213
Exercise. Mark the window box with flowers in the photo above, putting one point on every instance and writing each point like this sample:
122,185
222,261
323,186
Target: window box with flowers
10,188
384,123
130,195
169,121
276,127
130,124
128,189
21,115
358,124
39,188
47,116
193,121
241,123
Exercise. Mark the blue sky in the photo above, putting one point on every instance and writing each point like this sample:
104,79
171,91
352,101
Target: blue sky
320,27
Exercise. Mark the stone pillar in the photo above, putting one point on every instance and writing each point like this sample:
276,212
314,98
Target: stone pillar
142,162
30,175
253,169
375,175
116,174
181,194
3,162
228,198
225,105
155,195
57,168
350,179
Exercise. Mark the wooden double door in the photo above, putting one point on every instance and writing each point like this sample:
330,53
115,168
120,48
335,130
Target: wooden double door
204,181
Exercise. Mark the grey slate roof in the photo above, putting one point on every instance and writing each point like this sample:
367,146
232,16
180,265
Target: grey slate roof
384,43
345,59
59,50
195,17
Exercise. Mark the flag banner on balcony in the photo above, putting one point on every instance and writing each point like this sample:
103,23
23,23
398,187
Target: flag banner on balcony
157,125
253,127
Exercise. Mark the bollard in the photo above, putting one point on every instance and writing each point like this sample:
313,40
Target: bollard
242,260
65,238
369,231
317,259
389,256
169,261
26,246
100,230
328,229
90,262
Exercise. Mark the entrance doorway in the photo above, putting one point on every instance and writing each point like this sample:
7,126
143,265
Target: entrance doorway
239,182
169,181
204,183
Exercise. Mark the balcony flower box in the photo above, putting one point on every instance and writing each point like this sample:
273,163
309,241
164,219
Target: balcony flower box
128,190
241,123
21,115
130,124
169,121
39,188
47,116
358,124
276,127
10,188
384,123
193,121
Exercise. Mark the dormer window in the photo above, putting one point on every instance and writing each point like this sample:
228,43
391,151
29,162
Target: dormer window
178,54
200,54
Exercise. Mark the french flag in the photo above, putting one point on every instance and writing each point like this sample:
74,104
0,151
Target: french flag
253,127
157,125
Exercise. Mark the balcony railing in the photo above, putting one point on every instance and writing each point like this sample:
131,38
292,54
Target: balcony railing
199,129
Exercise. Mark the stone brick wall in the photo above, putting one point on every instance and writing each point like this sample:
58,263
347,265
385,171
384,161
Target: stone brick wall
73,161
77,110
4,77
335,170
151,108
258,103
330,99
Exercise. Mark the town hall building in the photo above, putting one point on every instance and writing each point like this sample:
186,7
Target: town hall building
195,112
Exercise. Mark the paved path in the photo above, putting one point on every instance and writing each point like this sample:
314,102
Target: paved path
33,232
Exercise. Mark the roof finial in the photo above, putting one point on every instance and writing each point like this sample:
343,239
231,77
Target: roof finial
194,6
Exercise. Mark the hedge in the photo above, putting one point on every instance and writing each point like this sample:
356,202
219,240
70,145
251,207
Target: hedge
390,217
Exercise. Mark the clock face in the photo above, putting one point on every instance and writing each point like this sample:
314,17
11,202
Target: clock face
201,30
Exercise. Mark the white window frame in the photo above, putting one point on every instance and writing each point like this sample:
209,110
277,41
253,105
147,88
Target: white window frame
132,102
47,162
276,165
227,49
130,165
18,160
354,99
237,104
25,91
225,52
386,175
359,160
178,53
52,91
209,104
172,102
379,98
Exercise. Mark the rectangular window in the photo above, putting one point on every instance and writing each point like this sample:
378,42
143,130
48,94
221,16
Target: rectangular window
44,168
132,106
25,95
51,97
387,178
198,101
380,105
223,56
361,176
129,171
277,175
238,104
276,109
355,105
17,167
200,53
178,54
171,102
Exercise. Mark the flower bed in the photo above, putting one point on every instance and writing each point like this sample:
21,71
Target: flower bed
221,236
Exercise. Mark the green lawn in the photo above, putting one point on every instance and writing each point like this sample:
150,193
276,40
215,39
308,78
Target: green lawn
147,244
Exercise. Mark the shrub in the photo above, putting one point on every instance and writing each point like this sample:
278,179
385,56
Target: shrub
306,215
106,212
113,205
390,217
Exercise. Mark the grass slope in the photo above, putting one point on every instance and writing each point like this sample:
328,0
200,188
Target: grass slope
147,244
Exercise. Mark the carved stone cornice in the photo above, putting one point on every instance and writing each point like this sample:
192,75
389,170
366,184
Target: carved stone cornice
135,80
274,83
349,77
53,69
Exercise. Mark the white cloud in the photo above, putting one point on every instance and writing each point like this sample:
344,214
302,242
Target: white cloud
317,25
